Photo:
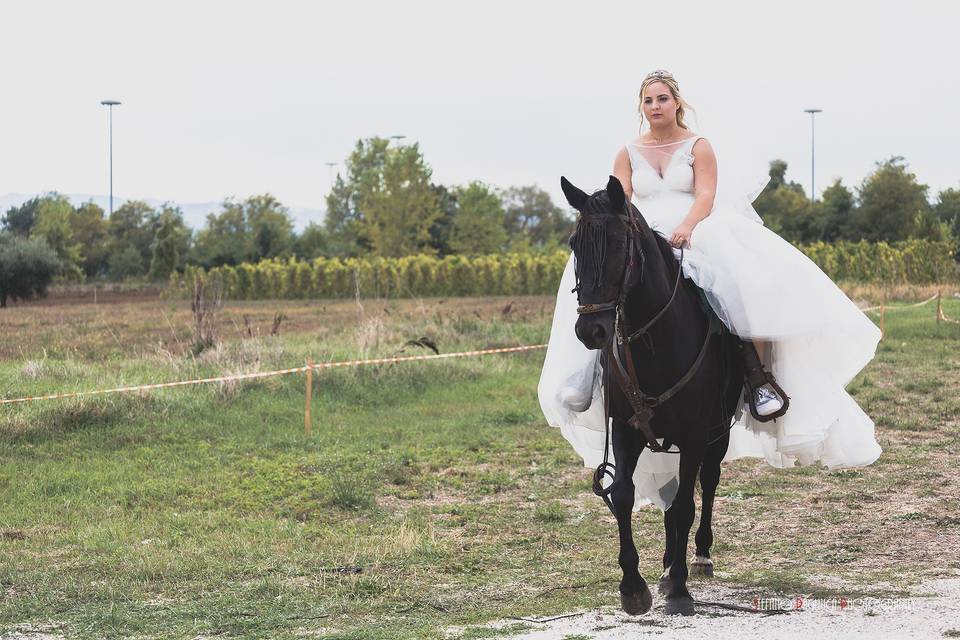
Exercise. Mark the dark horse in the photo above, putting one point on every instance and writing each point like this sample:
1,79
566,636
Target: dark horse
684,388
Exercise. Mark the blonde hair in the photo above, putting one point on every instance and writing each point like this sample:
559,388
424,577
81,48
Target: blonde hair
666,78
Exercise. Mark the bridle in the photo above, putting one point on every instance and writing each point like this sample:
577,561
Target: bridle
619,355
633,249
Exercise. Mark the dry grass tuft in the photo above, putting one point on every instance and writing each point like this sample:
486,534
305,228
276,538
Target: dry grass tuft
33,369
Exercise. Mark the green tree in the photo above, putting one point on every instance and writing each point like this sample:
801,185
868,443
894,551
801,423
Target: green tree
314,242
926,226
91,230
27,265
223,240
125,263
442,226
134,224
893,205
533,220
778,174
787,212
386,204
170,245
248,231
341,221
54,224
364,174
784,207
397,214
478,226
270,227
947,210
838,209
19,220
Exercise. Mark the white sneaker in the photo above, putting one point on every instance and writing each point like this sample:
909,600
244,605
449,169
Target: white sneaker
766,400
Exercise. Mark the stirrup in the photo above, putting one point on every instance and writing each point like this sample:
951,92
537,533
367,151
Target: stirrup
756,379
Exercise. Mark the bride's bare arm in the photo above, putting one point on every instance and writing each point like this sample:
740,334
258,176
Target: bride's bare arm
704,181
623,172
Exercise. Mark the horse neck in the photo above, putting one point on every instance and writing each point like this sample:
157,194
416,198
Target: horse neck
683,322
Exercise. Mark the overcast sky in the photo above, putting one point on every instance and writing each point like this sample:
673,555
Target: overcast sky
237,98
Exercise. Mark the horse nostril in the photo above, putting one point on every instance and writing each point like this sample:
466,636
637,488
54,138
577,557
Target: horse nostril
599,334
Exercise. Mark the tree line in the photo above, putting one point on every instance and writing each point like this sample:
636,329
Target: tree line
889,205
386,204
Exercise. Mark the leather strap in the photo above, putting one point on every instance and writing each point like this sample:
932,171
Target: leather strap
642,404
676,285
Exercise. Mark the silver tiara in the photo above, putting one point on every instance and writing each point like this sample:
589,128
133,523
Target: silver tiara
659,74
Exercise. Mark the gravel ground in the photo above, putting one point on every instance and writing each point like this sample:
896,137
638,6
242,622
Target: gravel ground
934,612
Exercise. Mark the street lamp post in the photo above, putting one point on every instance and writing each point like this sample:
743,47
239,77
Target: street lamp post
813,192
330,166
397,138
110,104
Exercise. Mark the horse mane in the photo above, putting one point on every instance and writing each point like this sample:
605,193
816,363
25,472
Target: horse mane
599,203
666,249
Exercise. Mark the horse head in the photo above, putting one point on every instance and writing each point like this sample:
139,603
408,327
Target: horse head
608,255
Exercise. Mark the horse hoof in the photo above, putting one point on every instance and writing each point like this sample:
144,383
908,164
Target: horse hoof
701,567
680,605
636,604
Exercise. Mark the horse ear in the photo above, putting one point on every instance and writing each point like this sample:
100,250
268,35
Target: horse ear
615,192
575,196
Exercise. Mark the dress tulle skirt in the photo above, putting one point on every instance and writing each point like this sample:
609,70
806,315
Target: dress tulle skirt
762,287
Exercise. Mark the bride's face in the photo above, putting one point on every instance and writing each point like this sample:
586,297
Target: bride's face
659,105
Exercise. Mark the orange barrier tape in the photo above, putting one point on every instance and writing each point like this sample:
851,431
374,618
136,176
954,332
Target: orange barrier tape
266,374
906,306
946,319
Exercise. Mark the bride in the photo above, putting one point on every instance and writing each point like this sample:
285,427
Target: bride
803,338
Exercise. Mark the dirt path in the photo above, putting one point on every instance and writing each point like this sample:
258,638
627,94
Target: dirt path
934,612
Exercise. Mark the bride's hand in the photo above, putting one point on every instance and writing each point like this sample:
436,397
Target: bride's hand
681,235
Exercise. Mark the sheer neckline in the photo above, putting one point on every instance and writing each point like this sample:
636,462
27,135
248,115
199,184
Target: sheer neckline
673,154
665,144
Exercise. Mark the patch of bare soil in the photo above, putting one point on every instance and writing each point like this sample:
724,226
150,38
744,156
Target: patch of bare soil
34,632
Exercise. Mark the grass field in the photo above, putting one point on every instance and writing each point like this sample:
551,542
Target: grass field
431,496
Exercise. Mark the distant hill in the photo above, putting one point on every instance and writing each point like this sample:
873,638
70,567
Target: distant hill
194,213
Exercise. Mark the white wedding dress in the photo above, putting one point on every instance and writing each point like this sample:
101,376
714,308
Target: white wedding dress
762,287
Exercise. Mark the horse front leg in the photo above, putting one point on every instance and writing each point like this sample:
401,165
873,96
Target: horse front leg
709,479
679,600
670,535
635,597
